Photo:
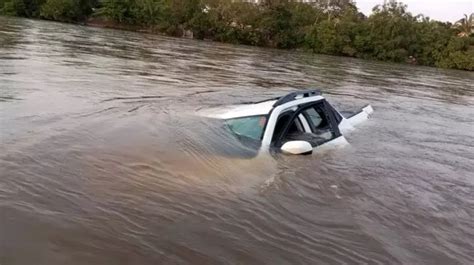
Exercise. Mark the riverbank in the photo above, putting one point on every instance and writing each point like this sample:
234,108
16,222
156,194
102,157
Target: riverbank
99,22
390,33
412,60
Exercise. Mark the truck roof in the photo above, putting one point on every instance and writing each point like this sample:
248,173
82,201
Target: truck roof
258,108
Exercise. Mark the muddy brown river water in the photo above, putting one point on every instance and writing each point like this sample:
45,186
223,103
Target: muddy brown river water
103,160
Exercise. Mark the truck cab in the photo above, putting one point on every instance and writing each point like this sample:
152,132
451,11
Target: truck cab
297,123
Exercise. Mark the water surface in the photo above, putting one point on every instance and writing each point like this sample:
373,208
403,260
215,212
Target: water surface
103,160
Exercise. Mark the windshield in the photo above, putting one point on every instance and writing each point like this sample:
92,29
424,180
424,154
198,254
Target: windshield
250,127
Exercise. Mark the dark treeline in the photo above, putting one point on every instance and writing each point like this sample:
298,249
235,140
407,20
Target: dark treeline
332,27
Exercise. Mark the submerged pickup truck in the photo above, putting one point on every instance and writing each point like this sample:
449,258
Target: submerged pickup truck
296,123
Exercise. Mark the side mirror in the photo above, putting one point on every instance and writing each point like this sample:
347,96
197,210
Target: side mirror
297,148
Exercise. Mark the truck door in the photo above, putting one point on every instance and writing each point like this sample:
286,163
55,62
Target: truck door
318,122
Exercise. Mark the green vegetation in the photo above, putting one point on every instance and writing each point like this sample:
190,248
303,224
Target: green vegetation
332,27
66,10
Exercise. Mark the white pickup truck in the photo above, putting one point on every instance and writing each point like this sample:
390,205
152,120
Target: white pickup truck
297,123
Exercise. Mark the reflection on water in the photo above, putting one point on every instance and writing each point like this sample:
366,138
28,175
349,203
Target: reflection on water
104,162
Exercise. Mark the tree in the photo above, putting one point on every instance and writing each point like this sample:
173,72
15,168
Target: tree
11,8
336,36
67,10
459,54
390,33
465,25
22,8
432,37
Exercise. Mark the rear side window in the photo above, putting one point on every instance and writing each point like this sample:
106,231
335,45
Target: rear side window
250,127
314,116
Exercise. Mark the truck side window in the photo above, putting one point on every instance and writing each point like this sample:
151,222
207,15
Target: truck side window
319,123
317,118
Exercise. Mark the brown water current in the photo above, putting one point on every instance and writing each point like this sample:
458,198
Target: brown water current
104,161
